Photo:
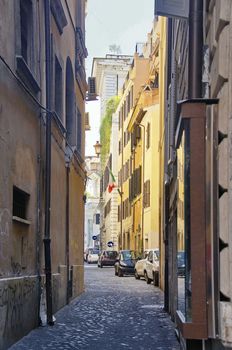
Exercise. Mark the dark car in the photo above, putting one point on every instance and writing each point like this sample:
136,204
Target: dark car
181,263
125,263
107,258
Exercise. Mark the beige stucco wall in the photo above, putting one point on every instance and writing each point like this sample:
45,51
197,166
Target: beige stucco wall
22,159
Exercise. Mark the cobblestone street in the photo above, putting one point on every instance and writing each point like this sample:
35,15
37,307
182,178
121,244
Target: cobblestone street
113,313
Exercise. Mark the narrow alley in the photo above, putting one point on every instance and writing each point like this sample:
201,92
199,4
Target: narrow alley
113,313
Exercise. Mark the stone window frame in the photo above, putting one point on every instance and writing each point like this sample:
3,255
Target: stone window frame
27,71
57,58
58,15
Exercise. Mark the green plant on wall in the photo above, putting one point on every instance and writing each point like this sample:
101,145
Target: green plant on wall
106,126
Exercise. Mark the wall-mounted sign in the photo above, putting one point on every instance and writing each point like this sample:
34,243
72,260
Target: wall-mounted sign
110,244
94,238
172,8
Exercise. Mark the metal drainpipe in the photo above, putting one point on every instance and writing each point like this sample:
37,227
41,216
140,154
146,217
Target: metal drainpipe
195,48
47,239
143,185
122,173
67,230
166,193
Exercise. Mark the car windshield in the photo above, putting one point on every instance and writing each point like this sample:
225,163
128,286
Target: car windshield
111,254
93,251
127,255
156,254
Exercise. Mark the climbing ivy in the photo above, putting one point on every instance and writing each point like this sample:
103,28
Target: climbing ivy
106,126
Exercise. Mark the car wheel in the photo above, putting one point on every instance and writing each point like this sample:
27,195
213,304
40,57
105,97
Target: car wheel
156,278
120,273
147,279
137,277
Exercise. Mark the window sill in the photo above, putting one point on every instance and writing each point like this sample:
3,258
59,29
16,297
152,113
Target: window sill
22,221
26,75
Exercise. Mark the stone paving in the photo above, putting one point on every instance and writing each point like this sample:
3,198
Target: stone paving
113,313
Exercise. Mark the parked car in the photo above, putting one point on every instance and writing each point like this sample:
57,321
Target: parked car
151,272
86,254
125,263
107,258
181,263
93,255
140,265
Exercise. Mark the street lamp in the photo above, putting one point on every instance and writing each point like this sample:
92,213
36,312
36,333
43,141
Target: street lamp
97,147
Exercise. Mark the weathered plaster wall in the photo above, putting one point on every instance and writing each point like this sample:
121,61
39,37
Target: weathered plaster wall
22,159
18,297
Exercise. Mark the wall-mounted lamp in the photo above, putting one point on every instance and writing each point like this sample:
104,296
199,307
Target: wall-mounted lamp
97,147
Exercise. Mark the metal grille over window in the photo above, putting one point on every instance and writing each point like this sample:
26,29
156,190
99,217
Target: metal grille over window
20,203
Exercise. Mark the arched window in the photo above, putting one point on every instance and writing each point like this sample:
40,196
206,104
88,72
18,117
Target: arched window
70,105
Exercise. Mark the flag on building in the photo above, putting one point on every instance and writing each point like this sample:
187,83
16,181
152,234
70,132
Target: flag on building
112,182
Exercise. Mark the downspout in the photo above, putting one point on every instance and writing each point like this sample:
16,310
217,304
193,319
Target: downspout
47,239
167,188
67,230
122,172
143,176
195,48
166,242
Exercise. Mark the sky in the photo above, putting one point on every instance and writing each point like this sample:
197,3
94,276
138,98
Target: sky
120,22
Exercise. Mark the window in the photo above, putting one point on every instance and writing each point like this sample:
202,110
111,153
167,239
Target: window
119,147
146,195
138,132
107,208
58,14
135,183
119,213
70,104
97,219
148,135
20,203
26,30
131,96
58,89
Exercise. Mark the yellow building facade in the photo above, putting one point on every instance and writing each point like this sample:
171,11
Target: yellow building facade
141,147
129,223
162,102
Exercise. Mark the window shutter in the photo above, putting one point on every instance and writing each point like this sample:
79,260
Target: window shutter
148,135
138,132
148,193
145,195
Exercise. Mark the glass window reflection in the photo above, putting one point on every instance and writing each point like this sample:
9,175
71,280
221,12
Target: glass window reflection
183,227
